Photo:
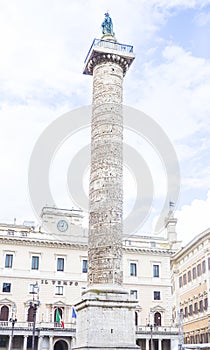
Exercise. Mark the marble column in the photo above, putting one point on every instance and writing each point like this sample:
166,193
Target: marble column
106,313
40,342
50,343
25,342
159,344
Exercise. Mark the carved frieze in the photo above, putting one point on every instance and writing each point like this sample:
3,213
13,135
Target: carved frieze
106,181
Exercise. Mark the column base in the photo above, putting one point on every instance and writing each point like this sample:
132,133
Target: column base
105,319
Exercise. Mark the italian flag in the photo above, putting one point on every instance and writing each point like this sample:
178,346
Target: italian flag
58,318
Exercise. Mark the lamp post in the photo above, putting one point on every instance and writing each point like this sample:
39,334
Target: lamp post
13,320
151,337
34,304
181,333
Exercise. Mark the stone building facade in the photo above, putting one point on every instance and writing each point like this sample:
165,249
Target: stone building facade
190,269
58,262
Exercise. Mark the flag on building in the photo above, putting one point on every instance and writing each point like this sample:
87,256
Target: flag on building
58,318
73,314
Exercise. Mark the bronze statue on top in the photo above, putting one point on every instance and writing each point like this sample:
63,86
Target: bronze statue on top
107,26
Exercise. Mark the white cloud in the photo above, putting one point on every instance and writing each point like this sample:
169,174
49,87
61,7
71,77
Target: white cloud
20,127
176,92
193,219
182,3
43,45
202,19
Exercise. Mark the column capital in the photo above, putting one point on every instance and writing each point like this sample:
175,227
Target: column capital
107,51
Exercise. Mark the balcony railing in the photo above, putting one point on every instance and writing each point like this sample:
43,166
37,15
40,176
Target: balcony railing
39,325
141,331
156,330
110,45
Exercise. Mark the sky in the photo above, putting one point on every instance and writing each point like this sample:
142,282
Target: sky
43,48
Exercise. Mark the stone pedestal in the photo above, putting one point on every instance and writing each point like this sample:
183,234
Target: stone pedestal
105,319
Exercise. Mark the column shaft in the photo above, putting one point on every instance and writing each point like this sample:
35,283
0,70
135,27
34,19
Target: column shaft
106,177
40,343
25,342
51,343
159,344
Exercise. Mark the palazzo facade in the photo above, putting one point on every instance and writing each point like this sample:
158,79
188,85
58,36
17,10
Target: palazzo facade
57,262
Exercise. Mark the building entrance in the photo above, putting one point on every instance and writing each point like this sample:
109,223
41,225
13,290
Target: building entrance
61,345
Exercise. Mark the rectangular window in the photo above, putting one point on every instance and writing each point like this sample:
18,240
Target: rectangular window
194,272
60,264
180,281
133,269
191,339
59,290
203,266
184,279
35,263
156,271
189,276
185,311
199,269
6,288
156,295
196,308
84,266
8,261
134,294
201,305
205,303
209,263
190,310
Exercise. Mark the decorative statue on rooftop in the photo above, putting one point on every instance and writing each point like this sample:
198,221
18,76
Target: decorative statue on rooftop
107,26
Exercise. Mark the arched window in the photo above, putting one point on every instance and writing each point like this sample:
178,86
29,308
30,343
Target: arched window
60,312
30,314
58,319
4,314
157,319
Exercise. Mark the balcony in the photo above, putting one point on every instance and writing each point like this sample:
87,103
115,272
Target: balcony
55,329
26,328
158,330
98,43
111,50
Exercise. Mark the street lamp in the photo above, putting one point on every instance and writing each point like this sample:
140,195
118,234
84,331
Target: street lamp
13,319
151,335
34,304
